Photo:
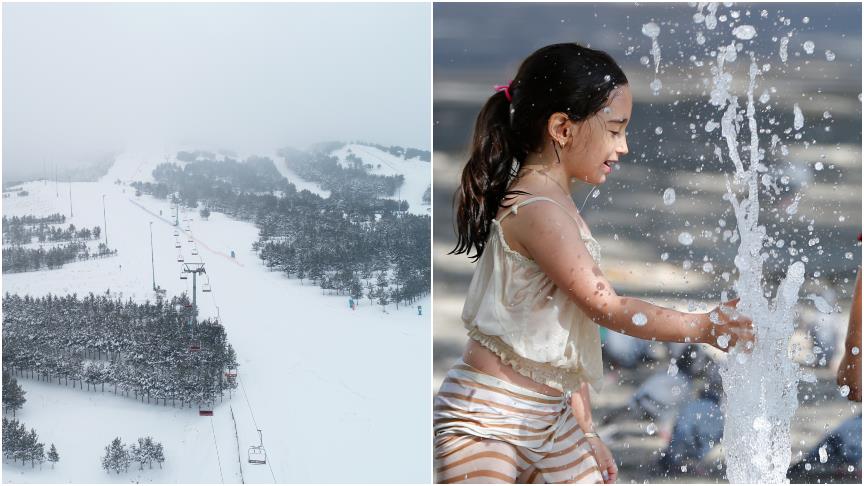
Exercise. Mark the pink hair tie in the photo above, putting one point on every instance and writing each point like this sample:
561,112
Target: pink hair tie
506,90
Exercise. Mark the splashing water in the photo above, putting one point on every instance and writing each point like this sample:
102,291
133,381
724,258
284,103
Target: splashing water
669,196
744,32
639,319
798,123
652,30
760,383
685,238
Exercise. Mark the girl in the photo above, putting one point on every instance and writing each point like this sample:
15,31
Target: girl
516,407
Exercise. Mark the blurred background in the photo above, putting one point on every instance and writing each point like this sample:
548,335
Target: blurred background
648,401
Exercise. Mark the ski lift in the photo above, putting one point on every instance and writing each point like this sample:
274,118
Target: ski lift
177,244
195,346
179,258
195,251
257,454
176,233
231,376
190,239
205,411
206,287
183,276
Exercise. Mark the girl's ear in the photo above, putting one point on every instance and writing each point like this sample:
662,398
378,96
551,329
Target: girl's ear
559,129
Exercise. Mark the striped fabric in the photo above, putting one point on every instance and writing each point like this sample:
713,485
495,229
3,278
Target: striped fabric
491,431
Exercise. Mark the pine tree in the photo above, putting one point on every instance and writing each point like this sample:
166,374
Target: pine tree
13,394
116,457
158,454
139,453
53,456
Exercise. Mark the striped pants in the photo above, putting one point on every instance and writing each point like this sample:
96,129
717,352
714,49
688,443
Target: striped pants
491,431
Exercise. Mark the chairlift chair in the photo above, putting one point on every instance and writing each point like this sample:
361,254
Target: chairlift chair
176,233
194,347
177,244
205,410
179,258
194,251
183,276
257,454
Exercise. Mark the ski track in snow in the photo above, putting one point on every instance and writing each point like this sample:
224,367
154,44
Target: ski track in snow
329,386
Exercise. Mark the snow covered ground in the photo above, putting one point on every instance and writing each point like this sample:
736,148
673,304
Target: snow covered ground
417,173
341,395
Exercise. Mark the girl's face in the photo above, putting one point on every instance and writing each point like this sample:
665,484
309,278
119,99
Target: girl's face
599,141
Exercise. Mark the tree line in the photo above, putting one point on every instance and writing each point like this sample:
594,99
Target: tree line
18,231
146,350
20,259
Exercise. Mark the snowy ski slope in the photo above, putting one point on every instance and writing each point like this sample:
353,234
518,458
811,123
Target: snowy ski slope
417,173
341,395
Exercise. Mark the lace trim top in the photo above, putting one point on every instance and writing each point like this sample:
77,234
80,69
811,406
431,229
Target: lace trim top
515,310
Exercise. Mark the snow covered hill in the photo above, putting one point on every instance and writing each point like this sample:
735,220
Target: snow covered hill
332,389
417,173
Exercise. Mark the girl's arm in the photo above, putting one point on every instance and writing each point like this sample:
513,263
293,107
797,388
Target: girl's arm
553,241
580,403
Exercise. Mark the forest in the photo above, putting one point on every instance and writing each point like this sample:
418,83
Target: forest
352,243
158,352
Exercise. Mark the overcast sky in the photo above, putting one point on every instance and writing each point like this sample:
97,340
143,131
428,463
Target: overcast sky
83,81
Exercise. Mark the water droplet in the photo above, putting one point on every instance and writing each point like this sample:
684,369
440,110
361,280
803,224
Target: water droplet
808,466
669,196
644,60
656,85
650,429
818,166
710,125
799,117
707,267
849,255
821,304
823,454
851,468
805,20
723,341
651,29
829,55
844,392
639,319
673,369
607,78
744,32
826,115
809,46
855,351
664,256
685,238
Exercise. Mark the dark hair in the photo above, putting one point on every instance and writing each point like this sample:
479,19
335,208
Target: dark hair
560,78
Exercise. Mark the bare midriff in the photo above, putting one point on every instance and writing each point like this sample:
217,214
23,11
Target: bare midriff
484,360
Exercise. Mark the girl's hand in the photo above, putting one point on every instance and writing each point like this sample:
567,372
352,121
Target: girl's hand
726,327
605,461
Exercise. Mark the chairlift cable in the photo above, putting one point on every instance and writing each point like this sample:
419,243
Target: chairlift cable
216,445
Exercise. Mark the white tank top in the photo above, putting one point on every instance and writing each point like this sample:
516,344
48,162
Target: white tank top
515,310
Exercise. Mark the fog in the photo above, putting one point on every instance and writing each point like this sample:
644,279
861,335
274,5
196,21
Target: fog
82,82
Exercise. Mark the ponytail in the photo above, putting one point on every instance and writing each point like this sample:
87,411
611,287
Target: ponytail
485,177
